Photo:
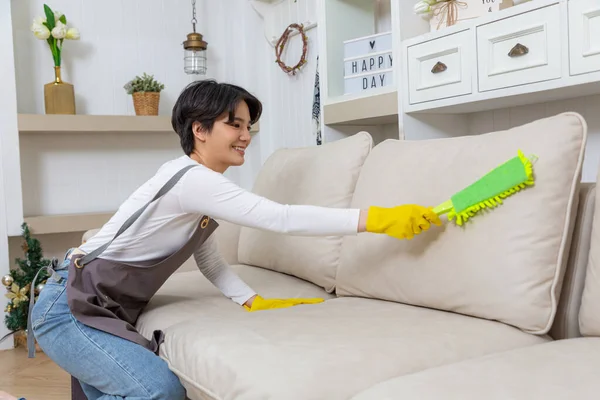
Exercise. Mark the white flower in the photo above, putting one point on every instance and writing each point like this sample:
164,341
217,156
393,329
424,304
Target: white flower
40,31
72,34
59,31
39,20
422,7
57,15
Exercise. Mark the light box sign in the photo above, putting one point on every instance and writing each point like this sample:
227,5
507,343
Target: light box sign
368,62
371,63
358,83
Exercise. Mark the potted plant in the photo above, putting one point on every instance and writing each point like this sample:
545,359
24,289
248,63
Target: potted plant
146,94
59,97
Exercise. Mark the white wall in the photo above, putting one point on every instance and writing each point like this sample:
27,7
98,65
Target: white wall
120,39
146,36
8,127
588,107
290,96
141,36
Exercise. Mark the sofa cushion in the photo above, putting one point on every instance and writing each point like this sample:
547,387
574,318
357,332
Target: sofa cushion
328,351
503,265
190,296
323,176
589,316
227,238
566,322
87,235
564,369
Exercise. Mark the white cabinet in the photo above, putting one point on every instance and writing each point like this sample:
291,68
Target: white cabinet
519,50
440,68
584,36
538,51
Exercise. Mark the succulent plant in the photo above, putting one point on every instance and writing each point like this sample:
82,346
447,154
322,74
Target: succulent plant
145,83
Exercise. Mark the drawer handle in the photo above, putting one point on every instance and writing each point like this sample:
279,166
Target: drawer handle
438,67
518,50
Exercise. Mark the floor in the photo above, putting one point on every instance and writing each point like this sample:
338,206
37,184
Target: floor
33,378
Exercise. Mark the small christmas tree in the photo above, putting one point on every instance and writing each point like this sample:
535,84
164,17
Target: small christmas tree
18,282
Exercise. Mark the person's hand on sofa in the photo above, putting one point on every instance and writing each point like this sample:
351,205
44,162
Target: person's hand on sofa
258,303
400,222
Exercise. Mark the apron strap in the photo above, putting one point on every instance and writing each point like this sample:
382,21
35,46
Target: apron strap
167,186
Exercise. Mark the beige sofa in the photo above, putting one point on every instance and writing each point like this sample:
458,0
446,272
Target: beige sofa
506,307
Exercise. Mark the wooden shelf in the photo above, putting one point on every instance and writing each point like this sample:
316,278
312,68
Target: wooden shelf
45,123
376,109
66,223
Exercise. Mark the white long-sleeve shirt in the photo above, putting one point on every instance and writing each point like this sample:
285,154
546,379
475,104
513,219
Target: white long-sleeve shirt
169,222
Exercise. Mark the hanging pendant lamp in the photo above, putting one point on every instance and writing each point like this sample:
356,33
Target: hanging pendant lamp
194,59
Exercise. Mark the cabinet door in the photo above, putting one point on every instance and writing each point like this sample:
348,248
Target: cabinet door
584,36
440,68
522,49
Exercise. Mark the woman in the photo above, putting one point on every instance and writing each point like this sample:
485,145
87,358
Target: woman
84,318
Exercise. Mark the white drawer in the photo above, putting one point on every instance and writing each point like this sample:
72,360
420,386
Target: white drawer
369,63
368,44
362,82
584,36
440,68
522,49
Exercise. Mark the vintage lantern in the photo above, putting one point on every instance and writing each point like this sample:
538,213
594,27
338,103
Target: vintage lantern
194,49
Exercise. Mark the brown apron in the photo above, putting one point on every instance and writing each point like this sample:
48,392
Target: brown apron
110,295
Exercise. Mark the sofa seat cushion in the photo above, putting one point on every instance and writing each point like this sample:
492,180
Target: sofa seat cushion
190,296
330,350
564,369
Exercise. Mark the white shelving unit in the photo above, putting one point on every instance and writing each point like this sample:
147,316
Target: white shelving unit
66,223
375,110
561,60
40,123
83,129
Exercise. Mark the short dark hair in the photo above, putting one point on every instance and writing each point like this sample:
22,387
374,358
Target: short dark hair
205,101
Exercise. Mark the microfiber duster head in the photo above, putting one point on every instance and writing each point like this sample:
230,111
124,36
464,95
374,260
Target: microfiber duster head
488,192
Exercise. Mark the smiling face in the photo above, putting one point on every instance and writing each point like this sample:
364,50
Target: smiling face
225,145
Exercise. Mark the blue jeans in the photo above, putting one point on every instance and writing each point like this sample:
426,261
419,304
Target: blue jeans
107,366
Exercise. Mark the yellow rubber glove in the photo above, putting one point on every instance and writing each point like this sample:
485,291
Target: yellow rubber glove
401,222
260,303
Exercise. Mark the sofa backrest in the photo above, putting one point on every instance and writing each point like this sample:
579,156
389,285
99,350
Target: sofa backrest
505,265
566,322
321,176
589,315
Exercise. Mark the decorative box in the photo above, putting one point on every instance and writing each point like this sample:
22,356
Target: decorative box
368,62
465,10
